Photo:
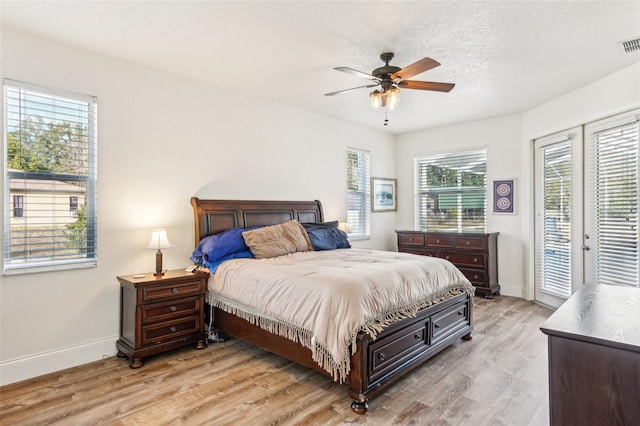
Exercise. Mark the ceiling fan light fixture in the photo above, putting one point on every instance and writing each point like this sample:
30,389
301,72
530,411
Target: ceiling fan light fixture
376,99
393,98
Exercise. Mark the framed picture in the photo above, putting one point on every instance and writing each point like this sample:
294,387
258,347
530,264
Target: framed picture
503,196
383,194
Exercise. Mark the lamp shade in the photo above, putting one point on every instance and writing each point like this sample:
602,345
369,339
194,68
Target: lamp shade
159,240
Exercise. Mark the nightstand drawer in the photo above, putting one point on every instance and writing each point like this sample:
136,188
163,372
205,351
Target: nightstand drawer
170,310
170,330
181,289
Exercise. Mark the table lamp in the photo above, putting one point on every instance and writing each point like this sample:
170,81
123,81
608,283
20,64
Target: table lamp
159,241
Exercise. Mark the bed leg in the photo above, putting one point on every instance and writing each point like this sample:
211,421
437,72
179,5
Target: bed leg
467,337
359,407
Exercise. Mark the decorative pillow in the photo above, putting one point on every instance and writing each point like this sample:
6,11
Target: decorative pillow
327,238
277,240
212,266
215,247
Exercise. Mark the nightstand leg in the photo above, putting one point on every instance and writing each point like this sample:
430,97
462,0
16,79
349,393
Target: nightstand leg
136,363
121,355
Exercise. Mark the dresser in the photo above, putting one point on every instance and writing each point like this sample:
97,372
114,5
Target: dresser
474,254
594,357
160,313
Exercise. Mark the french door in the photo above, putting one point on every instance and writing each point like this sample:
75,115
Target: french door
586,208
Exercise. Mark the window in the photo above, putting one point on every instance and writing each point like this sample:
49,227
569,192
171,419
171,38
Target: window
358,193
50,164
18,201
451,191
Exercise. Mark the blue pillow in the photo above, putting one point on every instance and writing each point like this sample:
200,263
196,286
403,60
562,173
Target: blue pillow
215,247
212,266
327,238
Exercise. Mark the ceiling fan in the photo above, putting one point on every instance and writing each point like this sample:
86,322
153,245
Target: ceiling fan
391,79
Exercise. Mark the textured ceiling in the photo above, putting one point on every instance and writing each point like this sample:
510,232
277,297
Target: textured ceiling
504,56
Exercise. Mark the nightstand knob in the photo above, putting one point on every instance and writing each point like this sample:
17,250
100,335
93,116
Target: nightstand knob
173,309
174,290
173,329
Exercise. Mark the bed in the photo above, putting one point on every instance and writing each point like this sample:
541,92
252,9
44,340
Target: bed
376,359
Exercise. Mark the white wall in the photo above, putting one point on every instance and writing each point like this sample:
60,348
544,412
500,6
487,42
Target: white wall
163,139
613,94
501,137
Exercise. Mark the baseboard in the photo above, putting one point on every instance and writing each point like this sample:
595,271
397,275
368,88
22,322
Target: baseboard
19,369
512,290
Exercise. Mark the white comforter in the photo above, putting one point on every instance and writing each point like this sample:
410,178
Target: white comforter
324,298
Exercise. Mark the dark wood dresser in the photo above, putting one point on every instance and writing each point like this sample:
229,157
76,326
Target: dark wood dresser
159,313
475,254
594,357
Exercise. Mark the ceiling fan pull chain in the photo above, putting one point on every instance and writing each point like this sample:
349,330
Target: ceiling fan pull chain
386,120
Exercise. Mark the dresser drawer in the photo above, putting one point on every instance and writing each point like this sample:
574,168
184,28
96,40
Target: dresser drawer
173,291
170,330
170,310
411,239
478,277
470,243
449,321
393,350
465,259
438,241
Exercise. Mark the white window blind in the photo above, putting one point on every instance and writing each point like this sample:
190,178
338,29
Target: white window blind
50,141
451,191
358,193
553,174
613,191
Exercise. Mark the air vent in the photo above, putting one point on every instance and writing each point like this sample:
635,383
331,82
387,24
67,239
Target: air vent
630,46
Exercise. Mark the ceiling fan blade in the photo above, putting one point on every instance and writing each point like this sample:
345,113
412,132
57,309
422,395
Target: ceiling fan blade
416,68
426,85
357,73
348,90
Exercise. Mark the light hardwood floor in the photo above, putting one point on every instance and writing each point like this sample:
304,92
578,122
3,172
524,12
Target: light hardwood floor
497,378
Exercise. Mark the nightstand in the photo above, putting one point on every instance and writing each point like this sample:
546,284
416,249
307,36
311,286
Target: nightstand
160,313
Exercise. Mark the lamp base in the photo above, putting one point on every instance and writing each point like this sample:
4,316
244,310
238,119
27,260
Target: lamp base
159,274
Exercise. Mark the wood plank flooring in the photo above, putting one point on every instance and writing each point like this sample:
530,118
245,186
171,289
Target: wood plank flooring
497,378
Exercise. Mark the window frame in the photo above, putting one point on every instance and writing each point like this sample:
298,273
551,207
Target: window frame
14,115
421,222
360,227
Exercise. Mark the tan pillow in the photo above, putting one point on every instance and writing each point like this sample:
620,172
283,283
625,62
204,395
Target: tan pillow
277,240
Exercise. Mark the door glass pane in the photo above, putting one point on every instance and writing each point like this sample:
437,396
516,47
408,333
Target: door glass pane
553,254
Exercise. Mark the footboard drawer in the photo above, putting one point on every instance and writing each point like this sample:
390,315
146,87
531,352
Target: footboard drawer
448,321
389,352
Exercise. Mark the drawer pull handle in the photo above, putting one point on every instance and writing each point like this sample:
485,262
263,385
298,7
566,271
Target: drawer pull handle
173,329
436,325
446,257
468,242
437,241
475,277
410,240
173,309
174,290
381,356
475,260
416,336
460,313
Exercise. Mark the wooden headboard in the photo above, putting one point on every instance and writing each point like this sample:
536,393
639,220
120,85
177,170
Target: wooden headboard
215,216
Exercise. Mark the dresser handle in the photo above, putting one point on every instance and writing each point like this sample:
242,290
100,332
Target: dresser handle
438,241
416,336
410,239
468,242
174,290
436,325
475,260
173,329
173,309
381,356
460,313
446,257
475,277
